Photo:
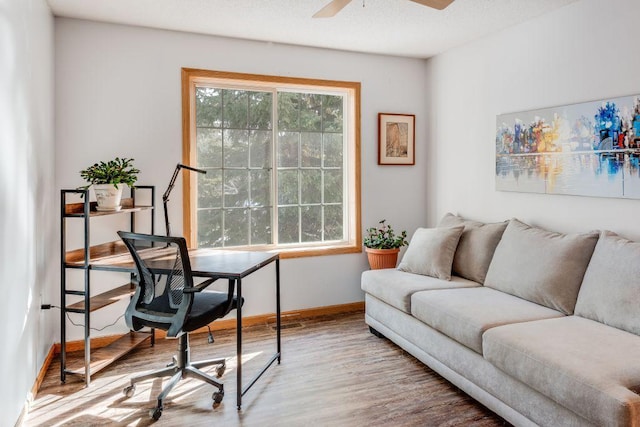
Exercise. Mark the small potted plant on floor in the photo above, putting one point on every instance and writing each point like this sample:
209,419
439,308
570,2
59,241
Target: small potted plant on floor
107,180
382,245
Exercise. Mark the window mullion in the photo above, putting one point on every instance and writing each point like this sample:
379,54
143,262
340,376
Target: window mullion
248,171
223,133
322,217
274,168
299,199
224,170
299,179
322,129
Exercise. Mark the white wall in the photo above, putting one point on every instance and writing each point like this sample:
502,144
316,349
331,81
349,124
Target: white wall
28,235
584,51
118,94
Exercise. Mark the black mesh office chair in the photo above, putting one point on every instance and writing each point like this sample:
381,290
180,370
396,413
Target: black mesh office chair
166,298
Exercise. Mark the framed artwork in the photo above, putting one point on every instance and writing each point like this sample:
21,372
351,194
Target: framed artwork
587,149
396,139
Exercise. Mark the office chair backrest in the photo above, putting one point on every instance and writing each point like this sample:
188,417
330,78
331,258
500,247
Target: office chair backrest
164,271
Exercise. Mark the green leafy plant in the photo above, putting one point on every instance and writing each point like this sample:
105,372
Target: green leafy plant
383,237
117,171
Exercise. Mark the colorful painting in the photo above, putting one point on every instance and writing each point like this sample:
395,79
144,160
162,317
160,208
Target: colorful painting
587,149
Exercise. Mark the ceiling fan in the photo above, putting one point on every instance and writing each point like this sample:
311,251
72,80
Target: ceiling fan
336,6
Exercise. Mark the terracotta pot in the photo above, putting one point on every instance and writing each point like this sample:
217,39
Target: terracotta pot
382,258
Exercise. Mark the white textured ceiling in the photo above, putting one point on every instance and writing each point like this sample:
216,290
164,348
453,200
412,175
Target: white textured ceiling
393,27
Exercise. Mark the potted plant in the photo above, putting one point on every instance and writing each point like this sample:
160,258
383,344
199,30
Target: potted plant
105,179
382,245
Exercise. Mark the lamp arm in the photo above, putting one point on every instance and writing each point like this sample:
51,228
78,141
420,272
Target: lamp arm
191,168
165,196
172,182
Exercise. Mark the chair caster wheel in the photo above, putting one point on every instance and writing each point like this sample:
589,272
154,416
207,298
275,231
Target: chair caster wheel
155,413
220,370
129,390
217,398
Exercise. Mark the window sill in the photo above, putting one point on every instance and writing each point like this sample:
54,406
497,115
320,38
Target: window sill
301,252
318,251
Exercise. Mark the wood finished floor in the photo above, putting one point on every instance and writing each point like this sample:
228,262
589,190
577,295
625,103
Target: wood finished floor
333,373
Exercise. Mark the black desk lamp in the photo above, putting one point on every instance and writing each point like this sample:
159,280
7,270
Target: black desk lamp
165,196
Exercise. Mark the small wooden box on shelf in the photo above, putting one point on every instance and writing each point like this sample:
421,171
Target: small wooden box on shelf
96,257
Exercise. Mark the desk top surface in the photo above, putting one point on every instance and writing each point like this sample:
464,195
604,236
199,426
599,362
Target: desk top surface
204,262
231,264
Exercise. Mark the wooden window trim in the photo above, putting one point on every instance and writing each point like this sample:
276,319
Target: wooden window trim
191,76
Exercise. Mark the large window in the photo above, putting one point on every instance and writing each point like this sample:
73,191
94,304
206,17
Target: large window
282,159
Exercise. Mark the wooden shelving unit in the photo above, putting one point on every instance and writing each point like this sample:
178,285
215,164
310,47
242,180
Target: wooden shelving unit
110,256
103,357
104,299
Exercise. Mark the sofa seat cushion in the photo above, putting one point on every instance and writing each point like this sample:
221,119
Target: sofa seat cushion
583,365
396,287
541,266
465,314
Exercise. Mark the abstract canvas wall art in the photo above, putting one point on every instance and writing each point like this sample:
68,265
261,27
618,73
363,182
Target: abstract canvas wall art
587,149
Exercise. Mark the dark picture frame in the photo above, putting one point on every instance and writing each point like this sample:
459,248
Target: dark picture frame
396,139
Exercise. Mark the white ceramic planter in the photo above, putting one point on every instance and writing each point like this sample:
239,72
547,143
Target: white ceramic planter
108,196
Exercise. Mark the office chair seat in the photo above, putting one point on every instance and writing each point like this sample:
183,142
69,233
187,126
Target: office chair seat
206,307
166,298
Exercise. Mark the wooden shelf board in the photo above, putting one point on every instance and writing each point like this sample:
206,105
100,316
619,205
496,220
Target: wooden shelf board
77,209
121,211
107,298
113,254
97,252
104,356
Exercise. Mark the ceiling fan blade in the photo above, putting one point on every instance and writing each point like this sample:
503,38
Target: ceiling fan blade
331,9
436,4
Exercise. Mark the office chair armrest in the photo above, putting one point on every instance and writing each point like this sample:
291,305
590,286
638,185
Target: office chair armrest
199,287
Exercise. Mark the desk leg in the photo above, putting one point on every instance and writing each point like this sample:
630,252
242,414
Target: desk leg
239,341
278,324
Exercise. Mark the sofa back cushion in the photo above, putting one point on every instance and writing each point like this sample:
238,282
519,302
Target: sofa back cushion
476,247
541,266
431,251
610,291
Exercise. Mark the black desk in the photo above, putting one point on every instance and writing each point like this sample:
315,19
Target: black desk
234,266
219,264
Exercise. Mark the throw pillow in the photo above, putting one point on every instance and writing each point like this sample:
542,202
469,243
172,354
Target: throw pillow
611,286
431,251
541,266
476,247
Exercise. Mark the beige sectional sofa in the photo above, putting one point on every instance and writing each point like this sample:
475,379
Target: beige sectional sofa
541,327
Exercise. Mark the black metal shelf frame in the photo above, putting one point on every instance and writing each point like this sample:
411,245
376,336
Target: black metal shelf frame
87,266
